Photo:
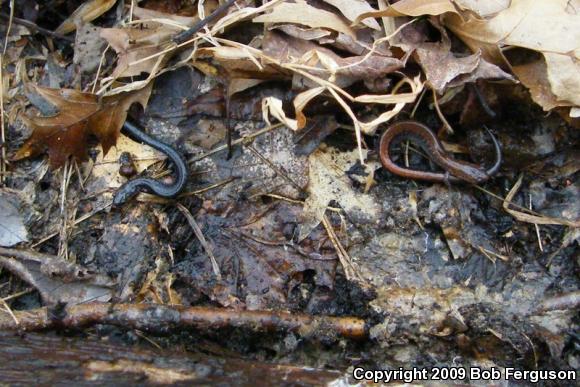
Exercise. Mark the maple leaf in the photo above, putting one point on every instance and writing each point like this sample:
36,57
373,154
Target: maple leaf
79,116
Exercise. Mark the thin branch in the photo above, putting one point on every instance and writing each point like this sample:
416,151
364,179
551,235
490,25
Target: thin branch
163,319
201,238
35,27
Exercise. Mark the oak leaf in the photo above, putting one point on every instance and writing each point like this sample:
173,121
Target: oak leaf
79,116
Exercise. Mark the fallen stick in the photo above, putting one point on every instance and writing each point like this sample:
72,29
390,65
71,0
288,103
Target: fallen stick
165,319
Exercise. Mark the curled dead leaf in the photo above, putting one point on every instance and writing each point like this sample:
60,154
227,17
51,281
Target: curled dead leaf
87,12
305,14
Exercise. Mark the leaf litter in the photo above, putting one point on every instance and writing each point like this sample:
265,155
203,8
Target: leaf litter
301,217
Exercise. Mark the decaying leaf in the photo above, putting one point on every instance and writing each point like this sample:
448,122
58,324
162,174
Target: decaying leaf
12,228
89,47
55,286
328,181
105,171
80,115
87,12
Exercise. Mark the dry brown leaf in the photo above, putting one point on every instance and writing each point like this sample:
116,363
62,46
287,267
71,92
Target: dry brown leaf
87,12
441,66
550,27
301,33
134,45
307,15
80,115
352,9
443,69
325,63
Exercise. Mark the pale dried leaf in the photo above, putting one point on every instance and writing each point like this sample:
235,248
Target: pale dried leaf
87,12
302,100
273,106
400,100
483,8
550,27
564,76
544,26
237,85
105,171
304,14
411,8
156,16
352,9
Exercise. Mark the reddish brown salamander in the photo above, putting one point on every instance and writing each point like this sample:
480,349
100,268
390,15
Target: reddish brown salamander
422,136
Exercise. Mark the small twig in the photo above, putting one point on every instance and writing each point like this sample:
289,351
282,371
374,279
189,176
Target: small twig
209,187
10,19
343,256
490,254
163,318
440,113
2,129
10,312
76,222
503,199
2,124
525,217
201,238
236,142
482,101
101,61
278,171
566,301
31,25
538,236
418,103
186,35
19,294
